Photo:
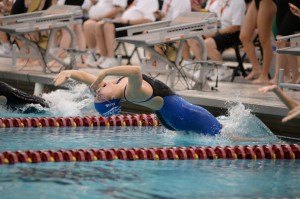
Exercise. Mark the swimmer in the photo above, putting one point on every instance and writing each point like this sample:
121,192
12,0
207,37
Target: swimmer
15,99
174,112
293,105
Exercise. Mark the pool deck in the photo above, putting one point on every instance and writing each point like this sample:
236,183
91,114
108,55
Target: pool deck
267,107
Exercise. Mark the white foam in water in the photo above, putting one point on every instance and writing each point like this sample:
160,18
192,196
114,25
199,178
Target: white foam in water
240,122
77,101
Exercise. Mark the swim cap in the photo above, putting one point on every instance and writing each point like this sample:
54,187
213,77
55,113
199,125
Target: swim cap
108,108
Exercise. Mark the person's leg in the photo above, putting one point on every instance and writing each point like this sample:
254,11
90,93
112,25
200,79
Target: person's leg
186,52
281,62
293,67
266,13
101,39
298,80
110,39
3,37
212,51
80,36
246,37
195,47
89,33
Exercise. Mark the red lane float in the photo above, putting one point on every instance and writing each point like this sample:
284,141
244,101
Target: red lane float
118,120
277,151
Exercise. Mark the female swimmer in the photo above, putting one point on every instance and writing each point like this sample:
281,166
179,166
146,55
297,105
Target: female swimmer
174,112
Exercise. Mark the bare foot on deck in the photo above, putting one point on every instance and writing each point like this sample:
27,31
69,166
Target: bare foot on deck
261,80
22,62
273,81
33,62
253,75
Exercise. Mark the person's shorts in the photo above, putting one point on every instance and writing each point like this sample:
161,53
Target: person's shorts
258,1
287,22
229,40
122,33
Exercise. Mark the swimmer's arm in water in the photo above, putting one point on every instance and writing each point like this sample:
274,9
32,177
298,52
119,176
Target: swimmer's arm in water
289,102
77,75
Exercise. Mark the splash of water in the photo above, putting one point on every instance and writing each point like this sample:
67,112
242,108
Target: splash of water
240,122
77,101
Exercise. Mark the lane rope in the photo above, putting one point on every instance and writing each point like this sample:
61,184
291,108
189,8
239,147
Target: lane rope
89,121
284,151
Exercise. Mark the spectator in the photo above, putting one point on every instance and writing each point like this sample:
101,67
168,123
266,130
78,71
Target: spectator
23,6
287,24
231,15
172,9
66,40
100,9
5,8
260,15
293,105
140,11
196,5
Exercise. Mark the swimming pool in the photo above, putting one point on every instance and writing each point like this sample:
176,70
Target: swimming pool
218,178
138,179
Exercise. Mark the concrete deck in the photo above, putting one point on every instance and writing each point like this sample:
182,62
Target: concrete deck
268,107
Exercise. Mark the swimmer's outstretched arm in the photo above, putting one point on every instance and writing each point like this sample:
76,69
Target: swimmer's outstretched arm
77,75
293,105
289,102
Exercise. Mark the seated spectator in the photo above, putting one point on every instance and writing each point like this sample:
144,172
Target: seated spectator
172,9
100,9
231,15
77,28
293,105
140,11
5,8
196,5
24,6
260,15
287,24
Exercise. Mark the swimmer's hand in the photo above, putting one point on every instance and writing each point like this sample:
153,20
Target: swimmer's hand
292,114
266,89
62,77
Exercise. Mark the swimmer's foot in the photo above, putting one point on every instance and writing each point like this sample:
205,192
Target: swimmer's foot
261,80
253,75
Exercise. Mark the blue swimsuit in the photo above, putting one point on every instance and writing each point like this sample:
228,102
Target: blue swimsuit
180,115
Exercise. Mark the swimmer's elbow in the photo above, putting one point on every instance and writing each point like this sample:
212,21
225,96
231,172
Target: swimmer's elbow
136,70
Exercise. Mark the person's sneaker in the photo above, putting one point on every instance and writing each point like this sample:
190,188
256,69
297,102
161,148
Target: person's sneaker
90,59
222,74
6,49
109,62
95,64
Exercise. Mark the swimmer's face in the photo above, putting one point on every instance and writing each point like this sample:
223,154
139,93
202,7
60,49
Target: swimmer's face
107,91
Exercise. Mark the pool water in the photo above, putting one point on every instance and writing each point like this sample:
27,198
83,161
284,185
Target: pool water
139,179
